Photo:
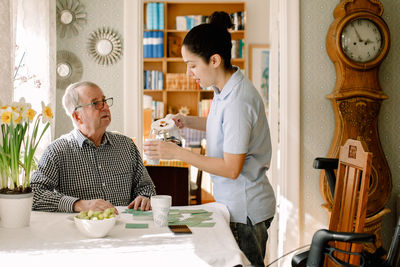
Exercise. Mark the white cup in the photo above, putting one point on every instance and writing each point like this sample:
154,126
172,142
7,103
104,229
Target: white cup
151,161
160,205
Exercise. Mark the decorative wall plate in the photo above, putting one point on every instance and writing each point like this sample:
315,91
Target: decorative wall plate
105,46
70,17
69,69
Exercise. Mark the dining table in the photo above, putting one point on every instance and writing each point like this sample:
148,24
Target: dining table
52,239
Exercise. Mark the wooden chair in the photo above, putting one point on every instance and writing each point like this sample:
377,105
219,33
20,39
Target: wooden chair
348,213
195,188
351,196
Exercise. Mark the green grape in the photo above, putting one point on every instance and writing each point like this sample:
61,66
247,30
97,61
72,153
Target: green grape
82,214
97,213
90,213
107,212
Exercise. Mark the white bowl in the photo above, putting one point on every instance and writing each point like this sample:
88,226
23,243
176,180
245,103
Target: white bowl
94,228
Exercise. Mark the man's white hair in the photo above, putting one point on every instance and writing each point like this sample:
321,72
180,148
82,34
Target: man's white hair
70,99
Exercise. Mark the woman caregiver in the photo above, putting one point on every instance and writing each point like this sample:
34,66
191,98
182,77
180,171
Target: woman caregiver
238,137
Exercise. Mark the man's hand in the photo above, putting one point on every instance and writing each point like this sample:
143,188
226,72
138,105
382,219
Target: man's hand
93,204
140,202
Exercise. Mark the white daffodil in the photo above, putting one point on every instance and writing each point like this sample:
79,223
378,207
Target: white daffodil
47,113
8,114
30,114
19,142
25,109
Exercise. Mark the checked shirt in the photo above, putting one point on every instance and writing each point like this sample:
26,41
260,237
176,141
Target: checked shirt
73,168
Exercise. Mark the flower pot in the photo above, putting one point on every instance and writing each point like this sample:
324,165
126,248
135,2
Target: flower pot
15,210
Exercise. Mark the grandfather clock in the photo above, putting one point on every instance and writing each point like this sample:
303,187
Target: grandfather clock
357,42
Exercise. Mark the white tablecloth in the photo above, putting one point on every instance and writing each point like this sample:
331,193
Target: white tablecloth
52,239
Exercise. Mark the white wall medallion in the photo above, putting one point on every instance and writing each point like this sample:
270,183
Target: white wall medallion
71,16
105,46
69,69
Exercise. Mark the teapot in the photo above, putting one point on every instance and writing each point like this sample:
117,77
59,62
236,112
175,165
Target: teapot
165,129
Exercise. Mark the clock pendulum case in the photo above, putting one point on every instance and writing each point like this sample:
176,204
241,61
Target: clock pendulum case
357,42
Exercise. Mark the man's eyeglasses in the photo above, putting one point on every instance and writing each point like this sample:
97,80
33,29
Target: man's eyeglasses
98,104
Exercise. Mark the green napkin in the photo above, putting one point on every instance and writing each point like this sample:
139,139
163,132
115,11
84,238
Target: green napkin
194,211
205,224
136,225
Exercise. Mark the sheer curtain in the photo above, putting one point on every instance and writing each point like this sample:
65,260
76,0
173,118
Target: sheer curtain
285,128
6,50
35,55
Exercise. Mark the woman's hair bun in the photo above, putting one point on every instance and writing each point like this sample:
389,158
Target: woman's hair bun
221,18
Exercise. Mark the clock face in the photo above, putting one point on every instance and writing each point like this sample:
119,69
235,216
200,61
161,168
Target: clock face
361,40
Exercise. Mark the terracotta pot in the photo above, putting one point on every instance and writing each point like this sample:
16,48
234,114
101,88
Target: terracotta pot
15,210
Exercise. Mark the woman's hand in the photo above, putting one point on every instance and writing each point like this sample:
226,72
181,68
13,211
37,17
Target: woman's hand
179,120
157,149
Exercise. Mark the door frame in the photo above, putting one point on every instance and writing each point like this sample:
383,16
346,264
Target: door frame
133,80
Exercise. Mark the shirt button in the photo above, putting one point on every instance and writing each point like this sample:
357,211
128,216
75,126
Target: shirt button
100,167
104,184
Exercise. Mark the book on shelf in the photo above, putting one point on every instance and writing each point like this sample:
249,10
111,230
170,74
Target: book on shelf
187,22
238,20
174,46
153,80
158,109
153,44
154,16
237,48
184,23
204,107
180,81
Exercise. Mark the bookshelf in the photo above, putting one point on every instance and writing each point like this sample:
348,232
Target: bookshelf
170,63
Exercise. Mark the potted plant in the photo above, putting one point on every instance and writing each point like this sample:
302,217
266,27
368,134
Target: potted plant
21,133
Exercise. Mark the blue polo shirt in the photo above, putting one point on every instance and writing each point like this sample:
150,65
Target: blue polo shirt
237,124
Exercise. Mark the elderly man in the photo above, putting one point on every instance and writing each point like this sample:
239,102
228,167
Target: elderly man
90,168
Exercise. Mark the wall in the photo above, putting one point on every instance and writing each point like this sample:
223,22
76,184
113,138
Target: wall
317,121
110,79
100,13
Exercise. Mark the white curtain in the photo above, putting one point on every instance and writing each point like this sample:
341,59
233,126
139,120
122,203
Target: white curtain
35,37
285,128
6,50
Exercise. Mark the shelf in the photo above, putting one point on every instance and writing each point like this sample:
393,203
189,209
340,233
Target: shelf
174,59
153,59
186,31
152,91
184,91
175,99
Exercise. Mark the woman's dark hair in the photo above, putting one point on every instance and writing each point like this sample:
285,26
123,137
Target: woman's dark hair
212,38
221,18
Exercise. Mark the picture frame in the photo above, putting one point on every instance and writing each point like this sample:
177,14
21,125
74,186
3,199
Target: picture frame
259,70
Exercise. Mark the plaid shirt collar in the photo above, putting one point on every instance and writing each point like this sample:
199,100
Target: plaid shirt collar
81,139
